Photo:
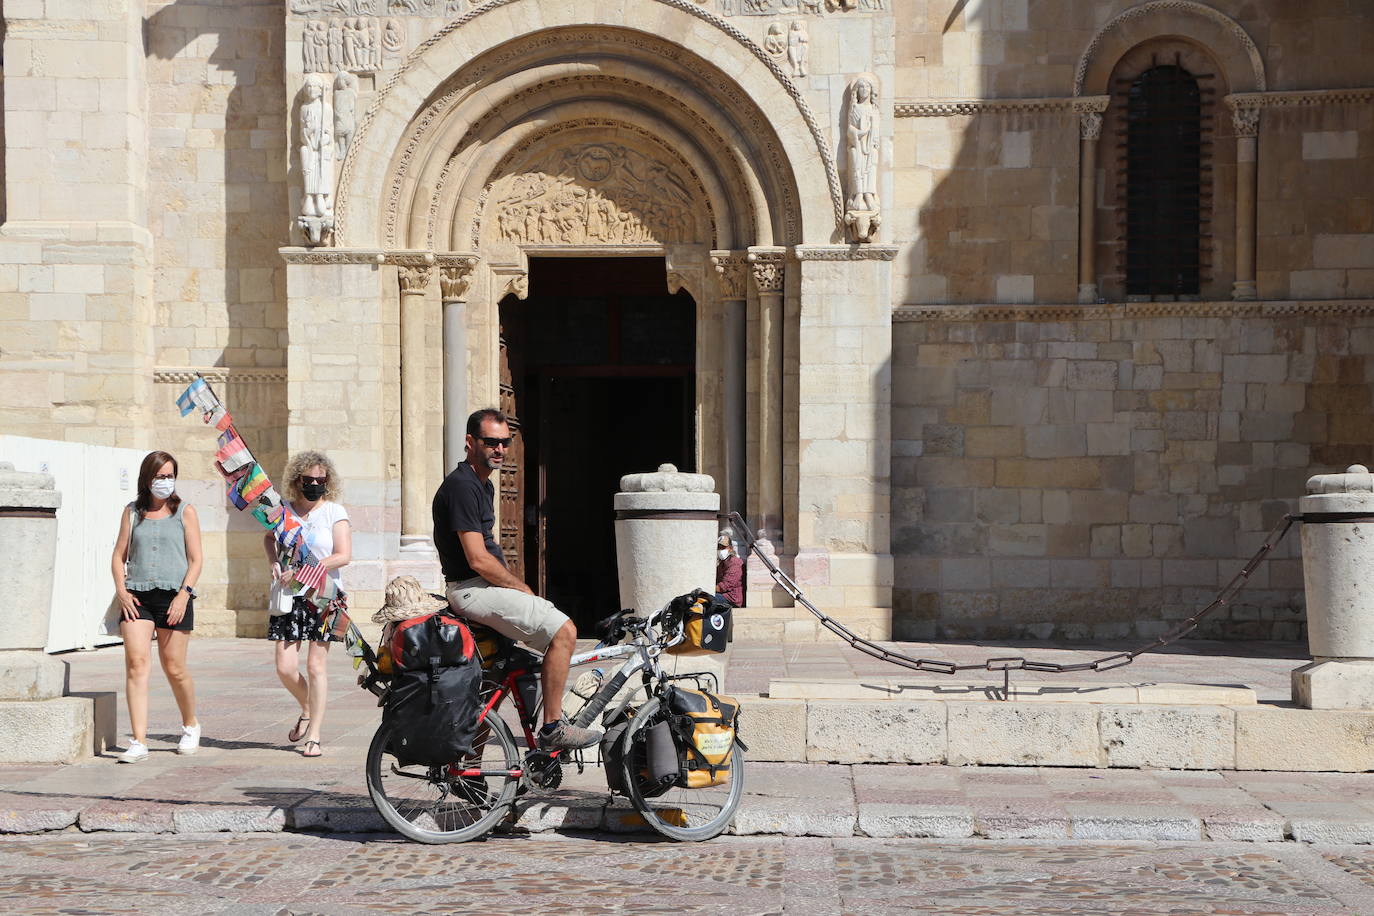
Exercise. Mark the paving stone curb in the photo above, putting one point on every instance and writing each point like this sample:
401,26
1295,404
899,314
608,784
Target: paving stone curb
759,817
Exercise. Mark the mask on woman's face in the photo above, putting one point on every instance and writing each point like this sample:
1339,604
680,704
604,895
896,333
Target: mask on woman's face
723,553
162,489
313,491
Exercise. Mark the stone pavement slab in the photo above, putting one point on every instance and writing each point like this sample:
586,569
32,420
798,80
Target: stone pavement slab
247,779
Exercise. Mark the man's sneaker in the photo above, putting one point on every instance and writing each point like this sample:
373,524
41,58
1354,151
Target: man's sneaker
190,739
566,736
137,752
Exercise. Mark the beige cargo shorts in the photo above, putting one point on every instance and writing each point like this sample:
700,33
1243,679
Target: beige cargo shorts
526,618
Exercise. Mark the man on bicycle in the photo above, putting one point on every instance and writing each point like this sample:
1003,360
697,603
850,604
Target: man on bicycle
480,587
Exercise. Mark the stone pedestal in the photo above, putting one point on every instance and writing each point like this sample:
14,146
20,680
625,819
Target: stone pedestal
665,534
1337,552
39,723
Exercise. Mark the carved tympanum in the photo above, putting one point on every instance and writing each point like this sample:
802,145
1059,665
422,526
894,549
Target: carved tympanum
595,193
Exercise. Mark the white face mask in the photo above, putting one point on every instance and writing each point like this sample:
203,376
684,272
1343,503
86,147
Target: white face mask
723,553
163,488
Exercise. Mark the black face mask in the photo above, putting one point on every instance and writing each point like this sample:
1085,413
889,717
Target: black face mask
312,491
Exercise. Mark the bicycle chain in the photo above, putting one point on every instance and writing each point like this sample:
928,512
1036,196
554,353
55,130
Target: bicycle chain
1007,664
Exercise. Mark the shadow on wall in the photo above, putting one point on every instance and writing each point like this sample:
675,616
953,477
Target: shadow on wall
218,211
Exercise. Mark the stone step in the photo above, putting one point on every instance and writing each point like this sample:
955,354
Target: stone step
58,730
1070,734
1057,691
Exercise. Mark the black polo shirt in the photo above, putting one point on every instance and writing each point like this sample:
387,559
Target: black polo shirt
463,503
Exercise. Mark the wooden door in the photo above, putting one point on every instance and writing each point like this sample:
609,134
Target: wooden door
512,476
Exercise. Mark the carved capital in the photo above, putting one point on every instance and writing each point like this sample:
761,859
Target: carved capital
731,274
1245,121
768,270
1090,125
454,278
414,278
517,286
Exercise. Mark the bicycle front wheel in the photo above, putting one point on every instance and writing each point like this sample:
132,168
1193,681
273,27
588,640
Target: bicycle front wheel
455,803
679,814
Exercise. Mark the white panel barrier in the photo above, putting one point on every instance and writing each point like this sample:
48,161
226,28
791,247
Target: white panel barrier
96,482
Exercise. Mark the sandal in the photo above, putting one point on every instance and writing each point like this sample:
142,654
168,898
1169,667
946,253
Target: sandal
305,751
299,731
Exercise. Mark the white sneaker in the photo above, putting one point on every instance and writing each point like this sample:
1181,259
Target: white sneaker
137,751
190,739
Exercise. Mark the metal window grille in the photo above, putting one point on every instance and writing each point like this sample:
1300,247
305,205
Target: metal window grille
1164,182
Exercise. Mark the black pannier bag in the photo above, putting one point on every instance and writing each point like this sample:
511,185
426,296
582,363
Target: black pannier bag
435,691
707,623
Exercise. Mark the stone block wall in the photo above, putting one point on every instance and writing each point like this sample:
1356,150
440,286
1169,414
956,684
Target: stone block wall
1066,473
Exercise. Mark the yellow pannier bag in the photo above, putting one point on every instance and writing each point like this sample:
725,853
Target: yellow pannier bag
705,726
489,644
706,624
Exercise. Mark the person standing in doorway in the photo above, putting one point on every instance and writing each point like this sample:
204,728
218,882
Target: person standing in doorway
481,588
156,563
312,491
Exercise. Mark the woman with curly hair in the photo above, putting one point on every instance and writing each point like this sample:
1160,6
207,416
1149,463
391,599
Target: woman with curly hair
312,488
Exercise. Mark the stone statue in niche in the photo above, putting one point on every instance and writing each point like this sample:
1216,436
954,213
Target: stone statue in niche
775,42
317,159
798,47
345,112
863,134
599,193
393,36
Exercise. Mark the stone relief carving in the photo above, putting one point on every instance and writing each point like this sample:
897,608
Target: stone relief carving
377,7
517,286
1245,121
595,193
1090,125
863,134
414,278
775,42
732,274
317,159
345,112
768,269
798,47
794,7
455,279
352,43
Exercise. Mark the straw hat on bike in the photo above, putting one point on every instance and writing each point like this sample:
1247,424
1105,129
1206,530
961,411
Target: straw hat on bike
407,598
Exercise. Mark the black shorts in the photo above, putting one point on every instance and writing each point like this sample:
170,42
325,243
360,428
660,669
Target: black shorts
153,604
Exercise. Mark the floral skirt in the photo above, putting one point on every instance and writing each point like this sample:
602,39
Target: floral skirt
301,624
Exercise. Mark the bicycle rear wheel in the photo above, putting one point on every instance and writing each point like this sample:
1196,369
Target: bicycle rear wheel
440,804
679,814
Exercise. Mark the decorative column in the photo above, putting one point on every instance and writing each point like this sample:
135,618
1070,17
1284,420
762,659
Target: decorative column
414,274
733,283
1089,132
1245,120
767,269
455,278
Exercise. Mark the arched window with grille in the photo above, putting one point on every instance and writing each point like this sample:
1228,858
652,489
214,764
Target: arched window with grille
1164,169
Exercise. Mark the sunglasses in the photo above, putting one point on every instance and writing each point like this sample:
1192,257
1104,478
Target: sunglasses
496,441
316,480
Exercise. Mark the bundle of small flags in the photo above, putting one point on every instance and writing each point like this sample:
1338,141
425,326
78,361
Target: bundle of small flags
248,488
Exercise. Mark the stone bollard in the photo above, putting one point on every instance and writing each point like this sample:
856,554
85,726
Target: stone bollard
1337,556
39,723
665,542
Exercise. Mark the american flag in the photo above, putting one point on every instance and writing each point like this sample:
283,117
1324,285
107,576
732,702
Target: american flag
310,575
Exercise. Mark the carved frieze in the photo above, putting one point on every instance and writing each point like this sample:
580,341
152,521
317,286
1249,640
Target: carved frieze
360,44
416,8
596,193
798,7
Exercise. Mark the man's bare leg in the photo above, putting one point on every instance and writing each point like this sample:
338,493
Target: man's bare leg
554,673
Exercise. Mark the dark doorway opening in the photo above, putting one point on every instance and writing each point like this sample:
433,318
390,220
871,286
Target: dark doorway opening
601,361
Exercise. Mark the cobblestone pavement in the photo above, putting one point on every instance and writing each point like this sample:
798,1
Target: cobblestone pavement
248,779
300,874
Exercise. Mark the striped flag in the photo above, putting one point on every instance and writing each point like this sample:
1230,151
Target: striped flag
233,454
197,394
253,483
310,575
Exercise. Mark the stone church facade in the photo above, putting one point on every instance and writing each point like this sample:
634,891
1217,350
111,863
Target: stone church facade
998,318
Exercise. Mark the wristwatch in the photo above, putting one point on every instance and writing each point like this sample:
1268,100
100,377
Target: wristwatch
189,590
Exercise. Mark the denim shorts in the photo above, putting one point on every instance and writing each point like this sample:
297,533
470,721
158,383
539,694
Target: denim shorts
153,604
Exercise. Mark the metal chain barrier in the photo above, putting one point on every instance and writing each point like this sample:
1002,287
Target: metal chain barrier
1007,664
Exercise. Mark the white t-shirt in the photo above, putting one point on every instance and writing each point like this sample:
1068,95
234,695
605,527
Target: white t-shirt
318,530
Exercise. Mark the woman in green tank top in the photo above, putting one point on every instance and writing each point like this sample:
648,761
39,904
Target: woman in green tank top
156,564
